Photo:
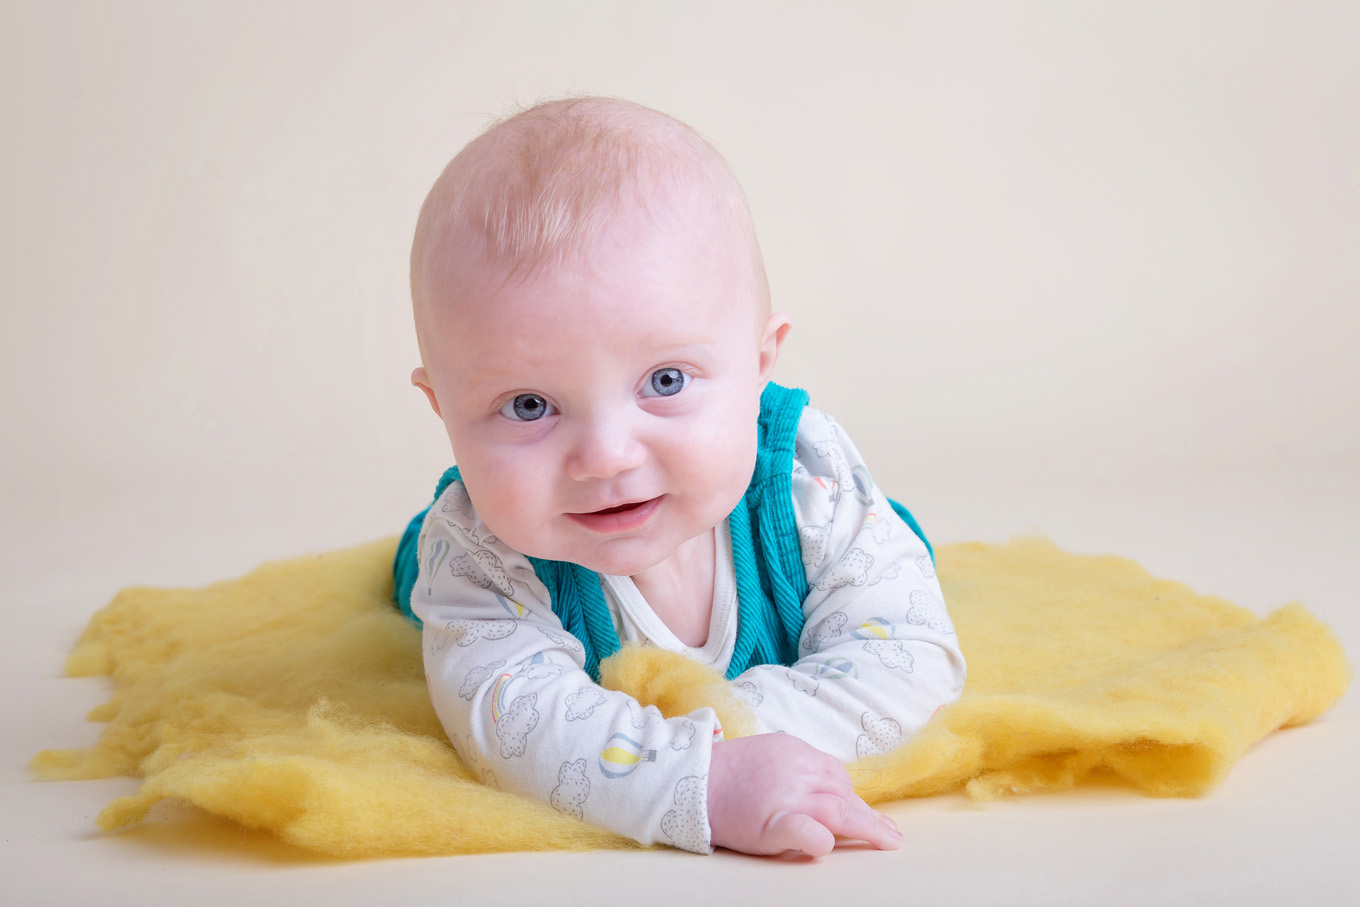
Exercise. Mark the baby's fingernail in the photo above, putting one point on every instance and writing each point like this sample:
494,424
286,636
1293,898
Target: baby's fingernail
892,826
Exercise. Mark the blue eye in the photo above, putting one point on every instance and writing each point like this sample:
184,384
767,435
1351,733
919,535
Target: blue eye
527,408
666,382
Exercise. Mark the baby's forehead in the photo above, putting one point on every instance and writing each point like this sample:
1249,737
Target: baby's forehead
533,198
541,182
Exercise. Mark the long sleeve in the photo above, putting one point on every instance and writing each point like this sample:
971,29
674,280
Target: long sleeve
878,652
508,684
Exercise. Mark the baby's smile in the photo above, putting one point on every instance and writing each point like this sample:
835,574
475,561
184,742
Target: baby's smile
619,518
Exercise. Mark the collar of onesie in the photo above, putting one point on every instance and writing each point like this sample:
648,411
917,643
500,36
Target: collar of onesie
637,622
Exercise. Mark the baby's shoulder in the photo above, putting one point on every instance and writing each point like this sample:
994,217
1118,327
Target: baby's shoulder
453,510
826,468
465,552
821,447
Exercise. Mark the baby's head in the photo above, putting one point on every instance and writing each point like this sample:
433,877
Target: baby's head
595,330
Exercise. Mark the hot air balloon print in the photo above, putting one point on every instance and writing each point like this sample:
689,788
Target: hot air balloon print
864,486
830,486
873,628
622,755
836,669
433,561
512,607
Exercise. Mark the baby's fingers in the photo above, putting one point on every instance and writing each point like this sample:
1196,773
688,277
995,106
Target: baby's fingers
795,831
851,817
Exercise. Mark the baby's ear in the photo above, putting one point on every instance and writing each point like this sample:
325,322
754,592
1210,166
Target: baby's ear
776,329
421,380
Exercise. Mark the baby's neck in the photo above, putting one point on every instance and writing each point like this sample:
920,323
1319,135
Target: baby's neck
679,590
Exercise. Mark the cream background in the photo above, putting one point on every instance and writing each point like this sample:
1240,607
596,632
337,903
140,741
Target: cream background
1088,269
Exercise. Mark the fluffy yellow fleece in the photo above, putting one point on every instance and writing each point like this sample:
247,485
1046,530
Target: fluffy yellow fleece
293,699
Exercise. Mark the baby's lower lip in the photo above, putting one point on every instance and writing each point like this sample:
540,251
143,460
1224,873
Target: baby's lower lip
622,518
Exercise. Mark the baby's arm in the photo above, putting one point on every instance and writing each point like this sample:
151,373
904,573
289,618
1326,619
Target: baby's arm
879,657
878,652
508,685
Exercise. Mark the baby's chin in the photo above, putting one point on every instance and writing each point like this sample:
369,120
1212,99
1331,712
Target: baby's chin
626,557
616,563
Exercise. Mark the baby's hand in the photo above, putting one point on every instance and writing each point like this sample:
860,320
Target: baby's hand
773,792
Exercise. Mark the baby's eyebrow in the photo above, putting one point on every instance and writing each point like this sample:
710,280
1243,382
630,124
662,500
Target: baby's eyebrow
697,350
492,380
487,384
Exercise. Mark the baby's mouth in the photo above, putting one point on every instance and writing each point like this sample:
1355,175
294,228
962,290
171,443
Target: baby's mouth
620,508
620,517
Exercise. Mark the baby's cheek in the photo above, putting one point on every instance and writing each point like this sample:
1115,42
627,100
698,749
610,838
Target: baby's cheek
517,508
740,455
498,507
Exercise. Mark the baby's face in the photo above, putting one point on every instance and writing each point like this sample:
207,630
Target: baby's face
604,412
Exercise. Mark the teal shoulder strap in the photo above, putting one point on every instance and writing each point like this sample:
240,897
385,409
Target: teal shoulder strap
578,601
771,580
910,520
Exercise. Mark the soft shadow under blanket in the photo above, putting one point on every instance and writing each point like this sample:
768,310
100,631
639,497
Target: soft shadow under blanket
293,700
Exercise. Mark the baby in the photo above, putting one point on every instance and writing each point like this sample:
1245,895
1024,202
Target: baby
596,335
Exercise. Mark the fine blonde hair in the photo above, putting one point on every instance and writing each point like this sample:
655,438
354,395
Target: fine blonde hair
538,186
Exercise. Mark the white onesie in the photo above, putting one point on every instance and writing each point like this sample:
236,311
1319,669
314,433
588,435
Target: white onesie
878,656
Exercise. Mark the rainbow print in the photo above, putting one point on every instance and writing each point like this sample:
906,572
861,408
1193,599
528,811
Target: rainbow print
500,695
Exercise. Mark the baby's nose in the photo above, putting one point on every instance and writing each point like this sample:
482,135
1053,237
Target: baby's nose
606,447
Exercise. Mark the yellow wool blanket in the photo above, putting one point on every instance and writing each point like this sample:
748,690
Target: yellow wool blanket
293,699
